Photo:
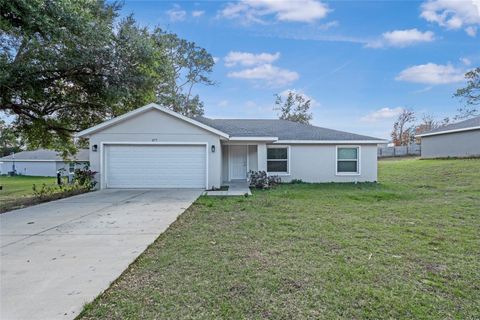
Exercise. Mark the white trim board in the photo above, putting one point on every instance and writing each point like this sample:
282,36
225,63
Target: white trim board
330,141
150,106
447,131
103,162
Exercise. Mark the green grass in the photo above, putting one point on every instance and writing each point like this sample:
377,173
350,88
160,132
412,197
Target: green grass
407,247
18,187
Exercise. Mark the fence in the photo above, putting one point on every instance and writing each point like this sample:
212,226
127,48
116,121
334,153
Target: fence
400,151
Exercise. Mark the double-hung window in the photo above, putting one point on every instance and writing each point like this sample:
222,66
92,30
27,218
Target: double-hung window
277,159
71,167
348,160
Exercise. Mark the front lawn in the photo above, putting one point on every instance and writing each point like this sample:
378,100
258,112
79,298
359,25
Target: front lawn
18,187
408,247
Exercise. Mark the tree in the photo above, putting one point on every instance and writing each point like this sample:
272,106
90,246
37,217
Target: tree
9,141
470,94
66,66
403,132
190,65
295,107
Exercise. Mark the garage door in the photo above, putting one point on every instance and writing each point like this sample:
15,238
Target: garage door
155,166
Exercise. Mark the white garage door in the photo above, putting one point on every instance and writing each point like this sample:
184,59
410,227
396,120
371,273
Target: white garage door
155,166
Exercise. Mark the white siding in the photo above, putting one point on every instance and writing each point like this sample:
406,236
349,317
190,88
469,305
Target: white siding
459,144
316,163
32,168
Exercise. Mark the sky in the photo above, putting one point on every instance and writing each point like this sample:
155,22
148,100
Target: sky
360,62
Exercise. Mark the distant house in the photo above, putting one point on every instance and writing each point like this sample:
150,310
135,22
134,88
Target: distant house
461,139
41,162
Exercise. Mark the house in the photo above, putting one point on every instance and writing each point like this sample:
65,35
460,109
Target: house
41,162
461,139
154,147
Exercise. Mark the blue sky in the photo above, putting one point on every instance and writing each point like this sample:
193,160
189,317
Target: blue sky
360,61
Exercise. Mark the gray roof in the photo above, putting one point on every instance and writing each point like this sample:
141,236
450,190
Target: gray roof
283,129
462,125
46,155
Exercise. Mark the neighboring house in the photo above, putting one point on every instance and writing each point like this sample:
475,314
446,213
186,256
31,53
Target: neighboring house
461,139
41,162
154,147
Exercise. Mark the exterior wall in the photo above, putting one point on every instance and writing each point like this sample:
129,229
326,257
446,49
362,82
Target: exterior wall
32,168
66,166
252,158
154,126
458,144
317,163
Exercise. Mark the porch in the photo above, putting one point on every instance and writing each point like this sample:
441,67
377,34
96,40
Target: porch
240,158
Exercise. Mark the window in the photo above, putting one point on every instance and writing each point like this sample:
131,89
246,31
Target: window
347,160
277,159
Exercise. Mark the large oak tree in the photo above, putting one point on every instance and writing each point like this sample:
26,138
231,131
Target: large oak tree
67,65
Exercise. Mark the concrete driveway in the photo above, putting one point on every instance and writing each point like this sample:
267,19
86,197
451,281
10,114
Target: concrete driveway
57,256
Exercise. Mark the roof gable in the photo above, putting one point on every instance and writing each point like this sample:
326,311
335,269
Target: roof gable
136,112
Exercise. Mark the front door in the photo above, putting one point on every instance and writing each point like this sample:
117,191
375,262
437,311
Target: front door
238,162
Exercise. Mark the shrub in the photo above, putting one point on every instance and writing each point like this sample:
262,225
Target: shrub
85,178
261,180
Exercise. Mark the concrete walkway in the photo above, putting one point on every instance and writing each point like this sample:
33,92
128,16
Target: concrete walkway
57,256
235,188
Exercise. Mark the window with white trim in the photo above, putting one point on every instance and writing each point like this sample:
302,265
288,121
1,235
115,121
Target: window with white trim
277,159
71,167
347,160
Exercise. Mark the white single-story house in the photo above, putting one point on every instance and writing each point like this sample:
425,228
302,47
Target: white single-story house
461,139
154,147
42,162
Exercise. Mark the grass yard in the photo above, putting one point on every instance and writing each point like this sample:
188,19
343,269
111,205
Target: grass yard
407,247
18,187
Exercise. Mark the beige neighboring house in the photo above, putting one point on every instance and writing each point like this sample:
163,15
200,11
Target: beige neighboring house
461,139
41,162
154,147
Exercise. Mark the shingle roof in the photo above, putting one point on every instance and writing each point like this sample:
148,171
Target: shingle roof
45,154
462,125
283,129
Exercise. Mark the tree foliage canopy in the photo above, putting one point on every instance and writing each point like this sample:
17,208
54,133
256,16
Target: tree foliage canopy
68,65
470,94
295,107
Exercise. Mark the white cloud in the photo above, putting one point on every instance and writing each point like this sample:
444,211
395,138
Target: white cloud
402,38
216,59
471,31
272,75
198,13
466,61
382,114
176,14
249,59
431,73
253,11
453,14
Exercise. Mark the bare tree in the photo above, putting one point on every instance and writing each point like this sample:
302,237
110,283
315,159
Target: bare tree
295,107
403,132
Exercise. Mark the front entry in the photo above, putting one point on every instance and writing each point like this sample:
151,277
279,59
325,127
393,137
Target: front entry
238,162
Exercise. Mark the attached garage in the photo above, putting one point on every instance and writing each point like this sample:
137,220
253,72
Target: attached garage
155,166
